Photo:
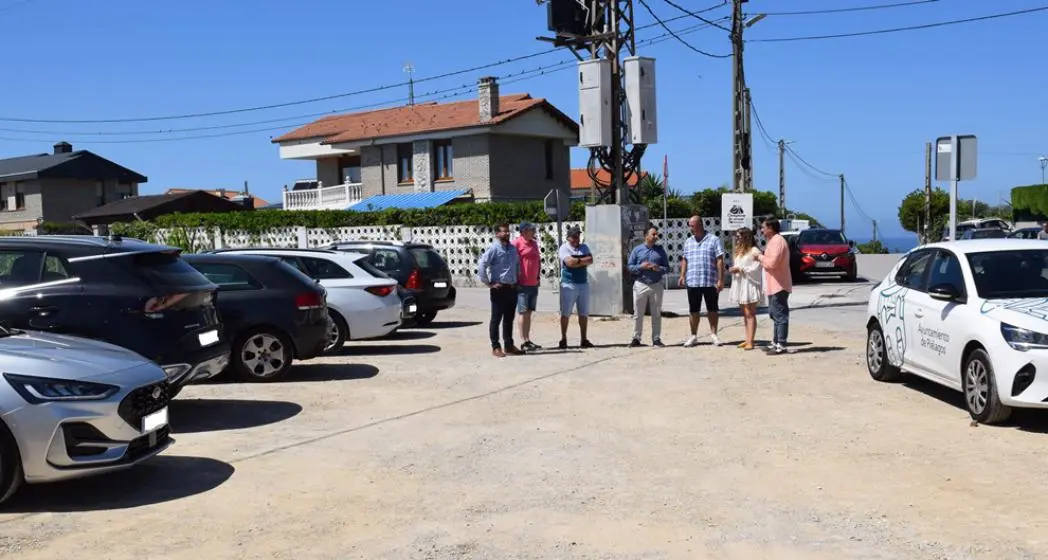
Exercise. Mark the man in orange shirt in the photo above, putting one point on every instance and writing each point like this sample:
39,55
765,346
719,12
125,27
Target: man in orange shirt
778,283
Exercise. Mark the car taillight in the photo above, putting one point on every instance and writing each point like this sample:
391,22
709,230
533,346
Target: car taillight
380,291
414,280
161,303
309,300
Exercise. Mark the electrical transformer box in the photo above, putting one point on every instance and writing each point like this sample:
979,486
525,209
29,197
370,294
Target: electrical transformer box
639,74
595,103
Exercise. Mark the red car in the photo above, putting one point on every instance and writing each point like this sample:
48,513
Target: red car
823,252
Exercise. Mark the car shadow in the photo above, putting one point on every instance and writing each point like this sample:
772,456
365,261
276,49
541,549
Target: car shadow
1034,421
450,324
330,372
361,349
188,416
162,479
409,335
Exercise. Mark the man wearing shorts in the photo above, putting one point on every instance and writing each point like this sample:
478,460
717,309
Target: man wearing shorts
702,272
575,257
528,283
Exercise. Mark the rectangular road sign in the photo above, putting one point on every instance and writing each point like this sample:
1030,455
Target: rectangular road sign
959,168
736,211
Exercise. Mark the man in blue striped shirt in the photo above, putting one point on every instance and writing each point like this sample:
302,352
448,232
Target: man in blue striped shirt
499,269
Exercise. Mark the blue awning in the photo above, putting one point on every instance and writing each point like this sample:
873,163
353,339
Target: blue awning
407,201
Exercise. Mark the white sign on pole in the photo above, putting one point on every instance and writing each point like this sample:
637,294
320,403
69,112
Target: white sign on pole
736,211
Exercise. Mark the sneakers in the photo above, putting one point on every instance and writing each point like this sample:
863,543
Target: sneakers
692,341
635,343
658,343
586,344
716,341
529,346
777,348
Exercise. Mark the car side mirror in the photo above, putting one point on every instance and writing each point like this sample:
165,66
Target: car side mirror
944,292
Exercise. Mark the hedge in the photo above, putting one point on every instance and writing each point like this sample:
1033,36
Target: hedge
1030,202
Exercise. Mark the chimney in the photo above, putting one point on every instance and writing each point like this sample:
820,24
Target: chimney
63,148
488,89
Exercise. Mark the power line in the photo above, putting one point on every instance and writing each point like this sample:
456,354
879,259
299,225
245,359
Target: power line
805,162
678,37
447,94
855,202
696,14
898,29
313,99
854,9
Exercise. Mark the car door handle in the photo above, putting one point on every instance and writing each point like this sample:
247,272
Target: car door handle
918,314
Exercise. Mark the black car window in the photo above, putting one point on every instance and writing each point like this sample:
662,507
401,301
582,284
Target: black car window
323,269
54,269
428,259
371,269
911,273
20,268
821,237
228,277
946,269
1010,274
166,270
387,260
295,263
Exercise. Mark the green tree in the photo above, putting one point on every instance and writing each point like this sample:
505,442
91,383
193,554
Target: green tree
708,202
912,218
873,247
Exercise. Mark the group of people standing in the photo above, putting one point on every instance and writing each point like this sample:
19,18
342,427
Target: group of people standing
512,270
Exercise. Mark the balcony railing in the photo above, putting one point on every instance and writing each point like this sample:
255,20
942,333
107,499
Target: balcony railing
338,197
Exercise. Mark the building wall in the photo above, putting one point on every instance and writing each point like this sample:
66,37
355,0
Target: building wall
64,198
518,167
26,217
327,172
378,170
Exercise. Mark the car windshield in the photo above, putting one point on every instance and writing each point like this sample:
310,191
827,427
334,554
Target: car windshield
1010,274
986,234
821,237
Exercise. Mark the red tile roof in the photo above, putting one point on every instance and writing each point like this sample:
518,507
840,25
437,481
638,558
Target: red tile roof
580,178
417,119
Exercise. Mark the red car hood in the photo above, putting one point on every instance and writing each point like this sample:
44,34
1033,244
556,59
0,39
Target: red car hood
828,249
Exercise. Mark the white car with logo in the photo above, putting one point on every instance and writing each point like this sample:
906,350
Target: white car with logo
969,315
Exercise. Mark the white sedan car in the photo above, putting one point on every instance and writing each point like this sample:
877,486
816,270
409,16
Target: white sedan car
362,300
970,315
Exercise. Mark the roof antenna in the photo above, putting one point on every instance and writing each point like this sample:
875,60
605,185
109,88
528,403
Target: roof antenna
410,69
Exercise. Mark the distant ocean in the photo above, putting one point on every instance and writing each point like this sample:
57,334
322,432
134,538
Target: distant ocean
895,244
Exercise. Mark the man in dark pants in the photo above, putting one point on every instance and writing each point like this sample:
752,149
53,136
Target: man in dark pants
499,269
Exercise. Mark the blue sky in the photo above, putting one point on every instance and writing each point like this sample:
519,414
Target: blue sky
860,106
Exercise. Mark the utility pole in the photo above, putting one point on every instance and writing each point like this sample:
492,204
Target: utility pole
875,230
842,202
740,161
782,176
927,191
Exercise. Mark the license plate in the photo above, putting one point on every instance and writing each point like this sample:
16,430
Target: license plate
412,308
440,284
155,420
208,338
824,264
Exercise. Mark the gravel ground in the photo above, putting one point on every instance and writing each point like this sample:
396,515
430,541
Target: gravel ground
427,447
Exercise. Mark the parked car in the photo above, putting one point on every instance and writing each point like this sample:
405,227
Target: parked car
362,301
1025,233
417,267
969,315
984,233
72,407
134,294
818,251
977,223
272,312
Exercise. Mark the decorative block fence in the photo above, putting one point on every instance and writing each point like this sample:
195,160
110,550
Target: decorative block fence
460,246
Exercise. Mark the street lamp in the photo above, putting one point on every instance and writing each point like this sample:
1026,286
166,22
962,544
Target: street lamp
1044,163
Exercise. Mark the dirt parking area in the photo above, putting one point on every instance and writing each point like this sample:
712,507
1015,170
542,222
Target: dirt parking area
427,447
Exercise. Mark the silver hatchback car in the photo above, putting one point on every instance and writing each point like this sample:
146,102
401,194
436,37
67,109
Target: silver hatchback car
73,407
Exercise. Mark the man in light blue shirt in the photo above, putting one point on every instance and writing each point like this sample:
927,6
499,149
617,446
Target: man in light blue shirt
575,257
648,263
499,269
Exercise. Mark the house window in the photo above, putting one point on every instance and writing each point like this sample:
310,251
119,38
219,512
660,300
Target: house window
3,195
19,196
443,156
549,158
405,165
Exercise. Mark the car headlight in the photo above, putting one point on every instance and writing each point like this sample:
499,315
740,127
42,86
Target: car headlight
39,390
1023,339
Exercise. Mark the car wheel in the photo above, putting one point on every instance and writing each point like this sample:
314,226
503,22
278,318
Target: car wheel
423,319
262,355
877,356
980,390
11,477
338,333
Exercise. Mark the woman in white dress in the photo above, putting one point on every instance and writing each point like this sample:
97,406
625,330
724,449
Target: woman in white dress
746,285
